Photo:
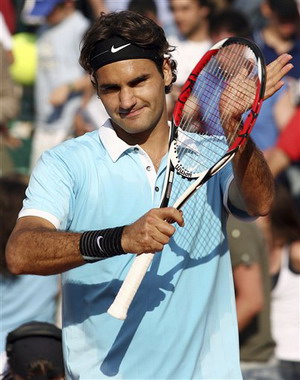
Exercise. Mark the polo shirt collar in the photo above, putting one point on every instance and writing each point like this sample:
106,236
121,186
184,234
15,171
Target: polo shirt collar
114,146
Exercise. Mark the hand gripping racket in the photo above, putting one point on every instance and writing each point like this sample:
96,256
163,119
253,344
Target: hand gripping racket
212,118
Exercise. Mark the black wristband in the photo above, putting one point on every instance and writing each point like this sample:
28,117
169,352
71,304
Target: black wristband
101,244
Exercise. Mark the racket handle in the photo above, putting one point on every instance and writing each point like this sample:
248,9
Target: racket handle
126,293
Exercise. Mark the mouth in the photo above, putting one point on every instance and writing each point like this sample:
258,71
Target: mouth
131,114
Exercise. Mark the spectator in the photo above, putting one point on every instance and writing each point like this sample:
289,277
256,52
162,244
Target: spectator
10,103
287,149
191,41
281,32
8,11
228,23
6,39
285,271
59,79
163,12
252,284
34,352
23,298
192,21
279,35
147,8
251,10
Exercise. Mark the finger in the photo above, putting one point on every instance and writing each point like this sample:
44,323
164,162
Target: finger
172,215
281,61
276,70
165,228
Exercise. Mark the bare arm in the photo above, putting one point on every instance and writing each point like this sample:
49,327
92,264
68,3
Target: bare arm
249,294
253,187
36,247
61,93
278,160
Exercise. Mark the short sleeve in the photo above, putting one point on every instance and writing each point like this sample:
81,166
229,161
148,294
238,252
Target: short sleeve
245,242
50,193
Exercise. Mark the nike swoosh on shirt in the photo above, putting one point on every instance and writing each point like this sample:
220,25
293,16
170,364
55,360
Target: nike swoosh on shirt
99,243
115,50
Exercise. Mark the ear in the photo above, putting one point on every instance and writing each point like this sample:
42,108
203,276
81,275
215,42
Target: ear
167,72
204,11
265,10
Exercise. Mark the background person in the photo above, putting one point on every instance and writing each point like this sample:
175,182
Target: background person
284,226
59,77
23,298
252,283
191,40
34,352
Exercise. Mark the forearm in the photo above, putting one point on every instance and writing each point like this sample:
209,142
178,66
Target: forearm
42,251
253,179
36,247
245,312
277,161
249,293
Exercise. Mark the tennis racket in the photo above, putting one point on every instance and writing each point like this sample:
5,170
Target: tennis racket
213,116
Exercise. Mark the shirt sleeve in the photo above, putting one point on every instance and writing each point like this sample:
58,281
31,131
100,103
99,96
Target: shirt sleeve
226,178
50,193
245,242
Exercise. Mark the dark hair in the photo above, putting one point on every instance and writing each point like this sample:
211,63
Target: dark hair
285,221
286,11
130,26
143,7
12,193
231,21
34,350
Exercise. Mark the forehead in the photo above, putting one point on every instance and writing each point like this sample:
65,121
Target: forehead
125,71
183,3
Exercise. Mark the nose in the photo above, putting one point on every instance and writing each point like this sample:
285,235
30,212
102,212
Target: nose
127,98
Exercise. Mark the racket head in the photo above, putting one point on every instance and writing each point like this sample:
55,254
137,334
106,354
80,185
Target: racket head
227,83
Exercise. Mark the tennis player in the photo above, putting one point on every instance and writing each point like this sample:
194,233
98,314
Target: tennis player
92,204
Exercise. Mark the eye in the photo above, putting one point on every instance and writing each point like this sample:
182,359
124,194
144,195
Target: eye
139,81
108,89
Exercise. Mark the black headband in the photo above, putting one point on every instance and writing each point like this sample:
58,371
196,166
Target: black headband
117,49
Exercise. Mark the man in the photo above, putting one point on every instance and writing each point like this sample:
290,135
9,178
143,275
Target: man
25,297
191,19
34,351
59,79
191,41
249,256
111,180
280,34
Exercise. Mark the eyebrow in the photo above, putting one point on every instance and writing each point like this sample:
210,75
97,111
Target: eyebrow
133,82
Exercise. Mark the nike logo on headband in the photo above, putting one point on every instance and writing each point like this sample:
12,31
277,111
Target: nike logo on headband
115,50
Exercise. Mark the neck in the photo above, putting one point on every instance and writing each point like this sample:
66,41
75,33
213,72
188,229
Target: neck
157,145
200,34
153,141
275,40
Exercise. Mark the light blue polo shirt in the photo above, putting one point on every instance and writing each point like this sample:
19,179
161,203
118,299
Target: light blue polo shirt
182,323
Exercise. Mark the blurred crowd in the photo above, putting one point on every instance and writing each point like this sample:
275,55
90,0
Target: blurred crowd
46,98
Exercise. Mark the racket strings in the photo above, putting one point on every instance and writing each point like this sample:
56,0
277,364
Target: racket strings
227,80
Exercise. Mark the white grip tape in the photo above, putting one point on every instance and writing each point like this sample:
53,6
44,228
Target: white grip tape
126,293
